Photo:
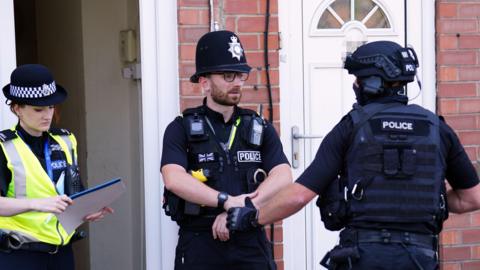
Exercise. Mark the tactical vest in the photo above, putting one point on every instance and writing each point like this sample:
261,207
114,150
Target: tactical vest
228,166
394,169
30,180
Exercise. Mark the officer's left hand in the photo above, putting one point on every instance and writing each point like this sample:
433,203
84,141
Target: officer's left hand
238,201
98,215
219,228
242,218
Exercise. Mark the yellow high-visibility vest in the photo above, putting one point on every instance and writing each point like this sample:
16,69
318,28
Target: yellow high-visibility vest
30,180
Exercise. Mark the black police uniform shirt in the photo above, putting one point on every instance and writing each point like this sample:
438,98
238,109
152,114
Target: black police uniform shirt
175,141
36,144
330,160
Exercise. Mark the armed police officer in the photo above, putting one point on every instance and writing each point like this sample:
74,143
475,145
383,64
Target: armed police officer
213,157
380,172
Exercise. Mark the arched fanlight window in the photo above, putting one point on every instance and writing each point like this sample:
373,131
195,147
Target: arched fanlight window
339,12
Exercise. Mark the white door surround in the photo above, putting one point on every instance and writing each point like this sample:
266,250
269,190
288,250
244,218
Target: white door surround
8,56
160,105
311,66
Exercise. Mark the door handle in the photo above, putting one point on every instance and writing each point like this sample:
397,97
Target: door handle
296,136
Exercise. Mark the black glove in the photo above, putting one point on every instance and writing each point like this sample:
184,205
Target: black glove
242,218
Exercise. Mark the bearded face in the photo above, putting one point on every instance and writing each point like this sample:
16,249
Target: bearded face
224,93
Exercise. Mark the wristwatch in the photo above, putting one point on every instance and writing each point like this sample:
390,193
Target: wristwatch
222,198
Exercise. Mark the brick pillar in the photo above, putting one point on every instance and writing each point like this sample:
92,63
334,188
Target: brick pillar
458,75
247,19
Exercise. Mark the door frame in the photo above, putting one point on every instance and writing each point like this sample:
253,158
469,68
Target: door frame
160,105
9,58
291,82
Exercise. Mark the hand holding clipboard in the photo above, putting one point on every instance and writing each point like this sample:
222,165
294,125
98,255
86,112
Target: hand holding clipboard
90,201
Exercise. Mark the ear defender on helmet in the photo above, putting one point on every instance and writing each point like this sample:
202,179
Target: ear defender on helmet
372,85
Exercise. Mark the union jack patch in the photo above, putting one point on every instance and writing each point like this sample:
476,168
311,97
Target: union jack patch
206,157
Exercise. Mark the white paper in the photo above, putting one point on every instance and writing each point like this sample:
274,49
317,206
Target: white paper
89,203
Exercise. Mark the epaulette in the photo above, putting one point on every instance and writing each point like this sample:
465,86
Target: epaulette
199,110
442,118
243,111
7,134
59,131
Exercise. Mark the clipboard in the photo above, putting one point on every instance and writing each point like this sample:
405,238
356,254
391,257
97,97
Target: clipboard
90,201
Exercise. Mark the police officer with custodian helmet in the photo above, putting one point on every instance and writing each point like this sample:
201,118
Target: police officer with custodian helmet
214,156
38,171
380,172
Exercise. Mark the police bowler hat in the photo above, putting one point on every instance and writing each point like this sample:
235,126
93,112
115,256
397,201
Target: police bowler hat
219,51
33,84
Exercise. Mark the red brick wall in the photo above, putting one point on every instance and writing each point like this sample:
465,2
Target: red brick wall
247,19
458,75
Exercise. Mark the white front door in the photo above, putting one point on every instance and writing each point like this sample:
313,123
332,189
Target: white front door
317,91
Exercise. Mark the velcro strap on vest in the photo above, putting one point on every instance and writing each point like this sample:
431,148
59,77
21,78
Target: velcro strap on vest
409,158
390,161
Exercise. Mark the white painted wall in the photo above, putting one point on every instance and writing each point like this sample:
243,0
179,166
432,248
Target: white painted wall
8,59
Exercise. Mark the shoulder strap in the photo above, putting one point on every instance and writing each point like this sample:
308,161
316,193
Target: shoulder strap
59,132
7,134
197,110
360,115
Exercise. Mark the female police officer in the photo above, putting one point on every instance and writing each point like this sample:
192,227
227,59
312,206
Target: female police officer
34,176
392,158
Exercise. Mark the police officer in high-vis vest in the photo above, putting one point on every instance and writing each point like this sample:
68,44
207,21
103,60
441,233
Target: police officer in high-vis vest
213,157
38,171
380,172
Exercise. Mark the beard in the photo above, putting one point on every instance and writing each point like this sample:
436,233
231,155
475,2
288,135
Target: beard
223,97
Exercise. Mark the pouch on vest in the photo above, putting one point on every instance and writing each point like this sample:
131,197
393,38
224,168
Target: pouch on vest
73,183
333,205
173,205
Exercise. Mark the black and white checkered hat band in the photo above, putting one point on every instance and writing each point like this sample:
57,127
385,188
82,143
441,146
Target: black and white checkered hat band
33,92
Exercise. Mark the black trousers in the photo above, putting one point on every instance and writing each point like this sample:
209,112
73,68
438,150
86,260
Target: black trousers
34,260
197,250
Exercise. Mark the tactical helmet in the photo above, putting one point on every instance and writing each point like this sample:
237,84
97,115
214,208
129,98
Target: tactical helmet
219,51
386,59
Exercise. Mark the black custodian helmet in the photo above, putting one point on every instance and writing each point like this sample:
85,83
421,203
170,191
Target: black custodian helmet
219,51
385,59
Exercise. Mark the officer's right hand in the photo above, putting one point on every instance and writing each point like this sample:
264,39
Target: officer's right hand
56,204
242,218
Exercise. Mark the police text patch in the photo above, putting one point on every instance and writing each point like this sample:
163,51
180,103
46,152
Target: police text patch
397,125
249,156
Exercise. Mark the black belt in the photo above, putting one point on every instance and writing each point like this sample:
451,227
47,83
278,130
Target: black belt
389,236
40,247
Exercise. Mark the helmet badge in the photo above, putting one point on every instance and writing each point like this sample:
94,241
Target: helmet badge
235,48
